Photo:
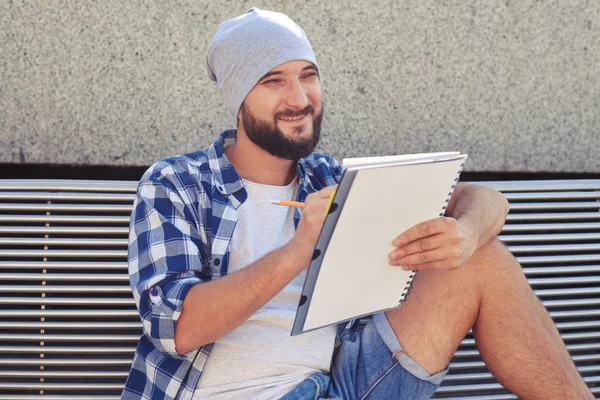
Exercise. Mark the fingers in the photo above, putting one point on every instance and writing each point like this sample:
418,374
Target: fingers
313,216
441,258
423,245
321,194
434,244
425,229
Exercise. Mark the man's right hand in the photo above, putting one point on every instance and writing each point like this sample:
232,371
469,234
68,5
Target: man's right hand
208,315
313,217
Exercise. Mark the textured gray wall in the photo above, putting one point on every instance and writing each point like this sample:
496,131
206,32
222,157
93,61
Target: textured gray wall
515,84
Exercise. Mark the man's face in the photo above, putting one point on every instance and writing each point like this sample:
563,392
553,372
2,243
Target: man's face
283,112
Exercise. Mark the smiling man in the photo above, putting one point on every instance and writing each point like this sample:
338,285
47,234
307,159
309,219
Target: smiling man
217,271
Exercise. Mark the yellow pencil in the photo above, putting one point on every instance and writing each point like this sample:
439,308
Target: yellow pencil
301,205
288,203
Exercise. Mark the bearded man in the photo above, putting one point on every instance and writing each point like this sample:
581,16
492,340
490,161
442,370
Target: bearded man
217,270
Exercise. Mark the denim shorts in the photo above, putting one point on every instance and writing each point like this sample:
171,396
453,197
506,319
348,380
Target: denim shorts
370,364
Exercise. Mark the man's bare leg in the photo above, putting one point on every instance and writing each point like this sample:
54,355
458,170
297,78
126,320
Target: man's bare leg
515,335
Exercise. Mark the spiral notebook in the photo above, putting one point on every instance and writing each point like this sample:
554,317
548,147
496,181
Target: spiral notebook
377,199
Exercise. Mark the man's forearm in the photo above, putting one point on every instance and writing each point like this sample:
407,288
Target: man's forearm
480,209
215,308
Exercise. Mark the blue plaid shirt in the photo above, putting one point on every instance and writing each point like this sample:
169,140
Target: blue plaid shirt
182,222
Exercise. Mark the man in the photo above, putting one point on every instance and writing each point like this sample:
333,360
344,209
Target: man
216,270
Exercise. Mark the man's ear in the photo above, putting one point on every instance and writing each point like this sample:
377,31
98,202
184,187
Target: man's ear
239,117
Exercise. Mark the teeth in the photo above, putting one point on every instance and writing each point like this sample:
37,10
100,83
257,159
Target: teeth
292,118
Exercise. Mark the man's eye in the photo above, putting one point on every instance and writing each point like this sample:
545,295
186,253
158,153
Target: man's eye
272,81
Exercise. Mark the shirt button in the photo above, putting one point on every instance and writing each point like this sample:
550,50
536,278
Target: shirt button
217,262
154,291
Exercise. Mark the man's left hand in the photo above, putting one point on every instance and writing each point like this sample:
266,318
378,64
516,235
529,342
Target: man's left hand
441,243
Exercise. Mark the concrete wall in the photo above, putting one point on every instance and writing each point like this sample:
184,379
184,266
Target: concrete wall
515,84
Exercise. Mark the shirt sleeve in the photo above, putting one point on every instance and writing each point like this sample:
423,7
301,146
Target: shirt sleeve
168,253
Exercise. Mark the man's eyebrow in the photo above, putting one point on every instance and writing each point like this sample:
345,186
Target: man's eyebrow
271,73
268,74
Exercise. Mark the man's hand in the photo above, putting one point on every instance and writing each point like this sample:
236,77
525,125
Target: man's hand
313,217
441,243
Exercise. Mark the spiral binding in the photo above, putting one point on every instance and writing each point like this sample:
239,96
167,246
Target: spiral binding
408,288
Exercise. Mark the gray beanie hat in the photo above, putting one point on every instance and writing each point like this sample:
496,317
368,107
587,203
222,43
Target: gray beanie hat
245,48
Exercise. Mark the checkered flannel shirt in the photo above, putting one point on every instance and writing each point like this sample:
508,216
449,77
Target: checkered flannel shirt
182,221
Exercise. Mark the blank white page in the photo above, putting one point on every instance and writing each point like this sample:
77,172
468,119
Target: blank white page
355,277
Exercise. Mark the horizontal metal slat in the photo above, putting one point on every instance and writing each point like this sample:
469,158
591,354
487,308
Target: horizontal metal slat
574,313
508,228
571,302
64,230
68,301
67,196
567,291
64,289
69,325
64,277
554,248
64,374
506,396
78,265
65,362
581,205
581,336
55,219
68,184
64,253
560,237
63,207
464,389
61,242
68,313
56,397
65,350
533,217
65,386
564,281
42,337
558,259
543,195
560,269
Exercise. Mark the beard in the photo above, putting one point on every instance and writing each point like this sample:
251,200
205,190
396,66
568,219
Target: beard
266,135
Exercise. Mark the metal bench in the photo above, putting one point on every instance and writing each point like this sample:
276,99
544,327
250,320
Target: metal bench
68,323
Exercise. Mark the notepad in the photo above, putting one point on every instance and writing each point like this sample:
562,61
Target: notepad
377,199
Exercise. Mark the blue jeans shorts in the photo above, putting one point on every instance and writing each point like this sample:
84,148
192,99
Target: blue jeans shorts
370,365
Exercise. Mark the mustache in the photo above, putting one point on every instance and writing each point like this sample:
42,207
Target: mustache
309,109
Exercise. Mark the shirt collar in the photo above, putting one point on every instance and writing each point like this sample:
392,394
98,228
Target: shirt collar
226,177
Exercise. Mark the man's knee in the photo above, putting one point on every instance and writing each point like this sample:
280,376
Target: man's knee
495,265
494,256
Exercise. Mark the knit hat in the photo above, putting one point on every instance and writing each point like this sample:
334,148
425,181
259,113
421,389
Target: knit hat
245,48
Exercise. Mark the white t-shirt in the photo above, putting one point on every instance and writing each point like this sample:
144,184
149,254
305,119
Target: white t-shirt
259,359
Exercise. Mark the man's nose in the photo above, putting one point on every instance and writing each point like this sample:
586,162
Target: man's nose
296,96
